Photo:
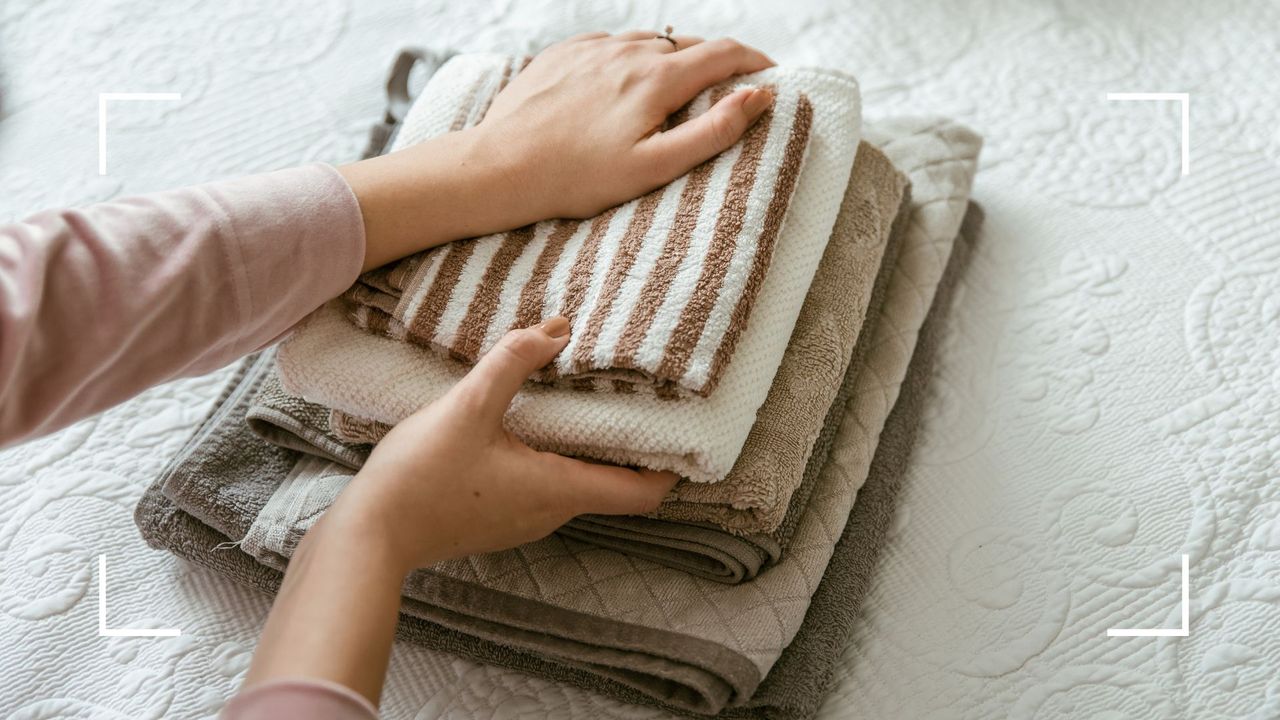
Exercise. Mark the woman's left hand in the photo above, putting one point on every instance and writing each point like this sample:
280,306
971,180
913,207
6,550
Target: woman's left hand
450,480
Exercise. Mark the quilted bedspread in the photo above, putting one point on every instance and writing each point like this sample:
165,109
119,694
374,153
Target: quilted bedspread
1107,398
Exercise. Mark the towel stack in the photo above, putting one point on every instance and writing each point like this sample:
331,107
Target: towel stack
751,326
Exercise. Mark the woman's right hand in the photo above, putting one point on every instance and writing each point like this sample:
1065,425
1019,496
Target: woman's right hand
450,481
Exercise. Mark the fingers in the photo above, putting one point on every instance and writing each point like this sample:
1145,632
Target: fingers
496,378
586,36
685,146
708,63
609,489
682,41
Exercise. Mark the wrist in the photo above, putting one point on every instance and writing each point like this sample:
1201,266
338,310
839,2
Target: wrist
494,180
402,535
460,185
365,531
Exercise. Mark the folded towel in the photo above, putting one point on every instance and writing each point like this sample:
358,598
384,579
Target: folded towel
330,362
753,498
788,443
690,642
291,422
703,550
658,289
797,683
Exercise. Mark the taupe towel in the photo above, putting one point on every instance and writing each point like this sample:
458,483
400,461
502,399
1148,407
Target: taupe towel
676,271
793,429
798,682
703,550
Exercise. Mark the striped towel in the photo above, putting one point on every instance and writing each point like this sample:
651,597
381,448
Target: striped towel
659,289
329,361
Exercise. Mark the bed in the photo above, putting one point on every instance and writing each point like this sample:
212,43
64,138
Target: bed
1106,401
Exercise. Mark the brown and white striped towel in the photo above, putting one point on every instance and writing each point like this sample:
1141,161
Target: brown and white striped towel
658,289
329,361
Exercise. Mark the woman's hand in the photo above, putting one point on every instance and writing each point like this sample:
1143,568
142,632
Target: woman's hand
447,481
451,481
577,131
583,123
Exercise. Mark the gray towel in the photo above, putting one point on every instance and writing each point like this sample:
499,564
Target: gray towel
798,681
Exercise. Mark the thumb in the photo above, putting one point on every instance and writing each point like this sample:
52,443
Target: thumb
687,145
609,489
496,378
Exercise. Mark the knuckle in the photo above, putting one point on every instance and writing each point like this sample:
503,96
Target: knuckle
467,398
727,45
723,130
523,345
660,73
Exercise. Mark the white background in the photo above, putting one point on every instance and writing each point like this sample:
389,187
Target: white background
1107,398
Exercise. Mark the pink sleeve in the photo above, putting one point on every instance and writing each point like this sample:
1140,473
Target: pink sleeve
303,698
99,303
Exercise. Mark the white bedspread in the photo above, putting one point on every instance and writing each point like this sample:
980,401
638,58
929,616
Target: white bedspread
1108,397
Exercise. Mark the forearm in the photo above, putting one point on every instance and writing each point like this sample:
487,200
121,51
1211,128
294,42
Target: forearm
335,616
99,303
447,188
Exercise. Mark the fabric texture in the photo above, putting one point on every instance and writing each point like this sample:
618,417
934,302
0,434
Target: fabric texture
331,362
754,497
798,682
289,421
658,289
690,642
151,268
793,430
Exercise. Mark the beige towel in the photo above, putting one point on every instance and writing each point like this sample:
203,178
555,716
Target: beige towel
330,362
754,497
659,289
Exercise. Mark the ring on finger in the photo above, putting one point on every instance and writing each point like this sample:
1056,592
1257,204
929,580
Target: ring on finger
666,35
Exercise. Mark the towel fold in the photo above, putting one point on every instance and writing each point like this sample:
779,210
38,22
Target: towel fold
330,362
754,497
678,639
703,550
659,289
798,681
792,433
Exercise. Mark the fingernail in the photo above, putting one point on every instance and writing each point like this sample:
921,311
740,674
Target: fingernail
757,102
557,326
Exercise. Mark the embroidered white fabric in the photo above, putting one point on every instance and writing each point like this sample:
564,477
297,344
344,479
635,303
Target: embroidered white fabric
1107,398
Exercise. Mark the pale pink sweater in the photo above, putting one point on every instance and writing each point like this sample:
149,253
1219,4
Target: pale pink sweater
99,303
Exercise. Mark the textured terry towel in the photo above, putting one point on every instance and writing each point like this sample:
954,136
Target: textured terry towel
658,289
754,497
799,680
788,443
691,642
710,552
291,422
329,361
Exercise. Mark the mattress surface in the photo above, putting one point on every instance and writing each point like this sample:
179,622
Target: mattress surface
1107,398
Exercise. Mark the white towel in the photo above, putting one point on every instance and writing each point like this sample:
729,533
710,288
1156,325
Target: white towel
331,362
